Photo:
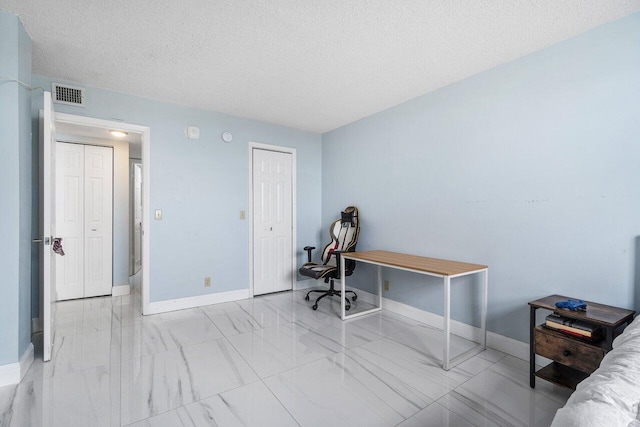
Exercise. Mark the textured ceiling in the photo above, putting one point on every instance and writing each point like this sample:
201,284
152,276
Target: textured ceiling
311,65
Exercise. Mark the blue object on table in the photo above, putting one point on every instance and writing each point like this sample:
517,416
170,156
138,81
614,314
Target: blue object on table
572,304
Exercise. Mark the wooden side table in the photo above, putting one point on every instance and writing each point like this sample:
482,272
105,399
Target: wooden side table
573,358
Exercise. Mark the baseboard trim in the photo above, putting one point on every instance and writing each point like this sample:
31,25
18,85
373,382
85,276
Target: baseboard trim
26,360
197,301
12,373
120,290
498,342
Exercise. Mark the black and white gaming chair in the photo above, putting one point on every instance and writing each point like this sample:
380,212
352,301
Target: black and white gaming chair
344,237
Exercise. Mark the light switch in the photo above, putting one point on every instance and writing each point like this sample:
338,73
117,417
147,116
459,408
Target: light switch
158,214
241,214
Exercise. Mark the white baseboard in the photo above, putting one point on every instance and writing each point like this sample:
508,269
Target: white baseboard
120,290
307,283
498,342
197,301
26,360
13,373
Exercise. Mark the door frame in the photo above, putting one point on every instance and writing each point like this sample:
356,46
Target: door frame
133,162
145,132
294,248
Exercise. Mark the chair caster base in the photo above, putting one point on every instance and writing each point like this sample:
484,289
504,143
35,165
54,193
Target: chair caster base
353,298
306,298
314,306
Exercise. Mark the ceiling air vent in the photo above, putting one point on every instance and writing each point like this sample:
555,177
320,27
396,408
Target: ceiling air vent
65,94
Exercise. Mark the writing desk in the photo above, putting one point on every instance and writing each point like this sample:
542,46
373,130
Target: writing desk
443,268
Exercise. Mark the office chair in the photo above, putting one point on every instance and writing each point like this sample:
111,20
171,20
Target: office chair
344,237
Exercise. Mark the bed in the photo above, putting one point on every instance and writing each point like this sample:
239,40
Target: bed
611,395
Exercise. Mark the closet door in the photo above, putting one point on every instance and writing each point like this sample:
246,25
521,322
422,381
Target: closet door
69,217
84,220
272,222
98,224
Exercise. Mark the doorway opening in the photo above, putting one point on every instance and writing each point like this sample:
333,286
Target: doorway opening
130,148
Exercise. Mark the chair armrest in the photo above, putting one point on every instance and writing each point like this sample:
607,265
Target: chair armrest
337,254
309,249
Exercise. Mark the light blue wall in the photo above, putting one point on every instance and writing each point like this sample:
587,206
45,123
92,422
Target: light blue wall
201,186
532,167
26,185
15,195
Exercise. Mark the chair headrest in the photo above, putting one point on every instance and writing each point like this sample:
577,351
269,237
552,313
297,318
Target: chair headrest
349,216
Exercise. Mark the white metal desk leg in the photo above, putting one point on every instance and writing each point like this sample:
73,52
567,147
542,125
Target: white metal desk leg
344,287
447,323
380,286
483,321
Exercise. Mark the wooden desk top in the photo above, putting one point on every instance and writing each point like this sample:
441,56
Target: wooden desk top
596,313
442,267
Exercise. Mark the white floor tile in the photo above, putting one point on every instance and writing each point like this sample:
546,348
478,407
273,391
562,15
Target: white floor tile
266,361
384,323
342,391
84,398
435,416
273,350
252,405
155,337
160,382
234,322
412,367
73,353
503,396
266,313
430,341
166,419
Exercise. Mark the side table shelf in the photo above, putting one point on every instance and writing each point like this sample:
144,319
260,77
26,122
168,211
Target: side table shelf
574,359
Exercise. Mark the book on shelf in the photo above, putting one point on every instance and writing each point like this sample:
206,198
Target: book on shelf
574,327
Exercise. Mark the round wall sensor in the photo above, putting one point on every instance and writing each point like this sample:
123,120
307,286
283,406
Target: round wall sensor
227,137
193,132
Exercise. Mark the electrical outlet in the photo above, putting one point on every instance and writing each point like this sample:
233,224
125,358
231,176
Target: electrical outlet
386,285
241,214
207,282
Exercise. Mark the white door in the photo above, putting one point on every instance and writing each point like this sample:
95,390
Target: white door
70,220
137,217
84,194
98,224
272,222
47,225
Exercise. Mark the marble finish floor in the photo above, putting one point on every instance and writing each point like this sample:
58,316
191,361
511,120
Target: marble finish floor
267,361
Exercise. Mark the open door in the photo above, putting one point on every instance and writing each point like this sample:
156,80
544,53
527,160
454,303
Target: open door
47,224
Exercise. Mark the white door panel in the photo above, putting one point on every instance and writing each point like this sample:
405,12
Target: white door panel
69,173
272,206
98,225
